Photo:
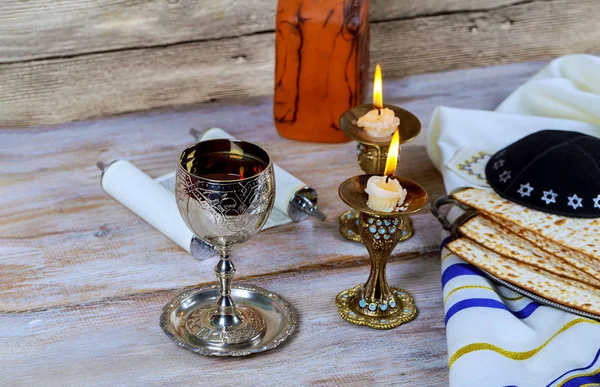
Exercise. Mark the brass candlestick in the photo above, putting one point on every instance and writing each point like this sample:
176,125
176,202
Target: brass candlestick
375,304
372,154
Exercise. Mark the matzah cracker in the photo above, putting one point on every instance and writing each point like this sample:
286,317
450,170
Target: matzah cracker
495,238
581,261
582,235
552,287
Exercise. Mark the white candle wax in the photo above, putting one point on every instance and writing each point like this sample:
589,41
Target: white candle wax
379,123
384,195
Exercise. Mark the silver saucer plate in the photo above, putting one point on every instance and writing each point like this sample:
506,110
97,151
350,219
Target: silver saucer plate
279,318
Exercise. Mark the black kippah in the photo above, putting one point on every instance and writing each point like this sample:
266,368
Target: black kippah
553,171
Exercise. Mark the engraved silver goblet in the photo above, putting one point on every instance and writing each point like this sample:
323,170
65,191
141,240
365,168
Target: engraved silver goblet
225,191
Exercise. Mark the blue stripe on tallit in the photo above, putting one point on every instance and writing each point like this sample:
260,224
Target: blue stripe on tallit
446,240
577,369
584,380
489,303
457,270
527,310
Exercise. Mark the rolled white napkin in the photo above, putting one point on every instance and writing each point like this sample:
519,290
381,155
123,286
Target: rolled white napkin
147,199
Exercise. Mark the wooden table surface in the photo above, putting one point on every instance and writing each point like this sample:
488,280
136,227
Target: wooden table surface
83,280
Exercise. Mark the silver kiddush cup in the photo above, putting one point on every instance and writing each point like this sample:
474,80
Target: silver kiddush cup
225,191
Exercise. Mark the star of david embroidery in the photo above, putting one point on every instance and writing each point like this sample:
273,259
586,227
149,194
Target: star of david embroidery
550,197
575,201
525,190
504,176
499,164
597,201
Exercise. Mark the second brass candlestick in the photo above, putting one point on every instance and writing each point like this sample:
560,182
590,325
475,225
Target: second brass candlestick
376,304
372,155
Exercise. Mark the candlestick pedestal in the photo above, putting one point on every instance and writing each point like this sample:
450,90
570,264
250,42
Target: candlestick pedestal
372,154
376,304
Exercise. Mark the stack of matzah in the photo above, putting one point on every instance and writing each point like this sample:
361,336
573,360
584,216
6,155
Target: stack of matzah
554,257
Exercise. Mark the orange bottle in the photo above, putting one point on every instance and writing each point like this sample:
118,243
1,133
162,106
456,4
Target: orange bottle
321,66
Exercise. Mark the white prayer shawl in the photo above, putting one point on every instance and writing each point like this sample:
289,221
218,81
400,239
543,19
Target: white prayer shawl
495,336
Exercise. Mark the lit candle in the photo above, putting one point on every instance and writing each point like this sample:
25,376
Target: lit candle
385,192
379,122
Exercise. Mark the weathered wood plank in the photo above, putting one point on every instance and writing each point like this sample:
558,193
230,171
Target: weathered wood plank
62,237
119,342
48,28
526,31
53,91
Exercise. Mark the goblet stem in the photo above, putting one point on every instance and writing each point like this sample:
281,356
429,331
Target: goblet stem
227,314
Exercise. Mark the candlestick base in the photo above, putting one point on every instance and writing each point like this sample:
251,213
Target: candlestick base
349,227
349,306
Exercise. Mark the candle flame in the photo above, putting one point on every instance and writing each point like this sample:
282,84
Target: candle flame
392,157
378,88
